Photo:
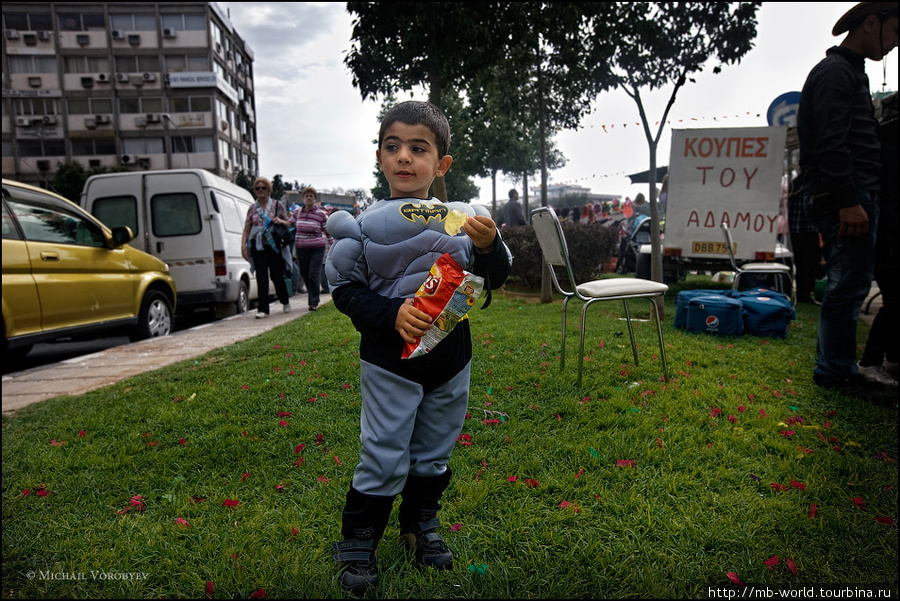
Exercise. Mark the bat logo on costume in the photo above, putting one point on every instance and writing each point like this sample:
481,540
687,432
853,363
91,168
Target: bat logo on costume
423,212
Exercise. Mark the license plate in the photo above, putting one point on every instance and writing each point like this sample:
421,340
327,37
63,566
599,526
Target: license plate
709,248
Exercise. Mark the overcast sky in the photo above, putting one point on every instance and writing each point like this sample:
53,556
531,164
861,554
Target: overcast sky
314,128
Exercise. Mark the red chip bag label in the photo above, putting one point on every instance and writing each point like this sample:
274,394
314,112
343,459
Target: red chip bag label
446,296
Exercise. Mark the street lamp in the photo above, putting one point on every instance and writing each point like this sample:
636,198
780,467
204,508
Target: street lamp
187,155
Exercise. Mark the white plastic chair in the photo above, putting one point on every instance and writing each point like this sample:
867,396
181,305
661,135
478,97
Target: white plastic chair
556,253
783,282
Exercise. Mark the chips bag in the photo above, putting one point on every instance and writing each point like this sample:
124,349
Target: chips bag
446,295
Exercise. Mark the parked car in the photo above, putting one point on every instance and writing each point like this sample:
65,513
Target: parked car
66,275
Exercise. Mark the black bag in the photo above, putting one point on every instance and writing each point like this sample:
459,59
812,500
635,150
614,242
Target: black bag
283,235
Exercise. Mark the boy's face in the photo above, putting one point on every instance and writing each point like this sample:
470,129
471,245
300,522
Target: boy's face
408,157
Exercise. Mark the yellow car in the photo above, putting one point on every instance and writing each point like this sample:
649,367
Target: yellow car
66,275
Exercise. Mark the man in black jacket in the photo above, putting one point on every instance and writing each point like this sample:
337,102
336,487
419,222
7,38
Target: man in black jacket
840,158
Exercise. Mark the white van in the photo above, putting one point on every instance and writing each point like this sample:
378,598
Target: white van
189,218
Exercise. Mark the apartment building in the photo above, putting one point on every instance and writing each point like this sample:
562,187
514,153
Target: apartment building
145,86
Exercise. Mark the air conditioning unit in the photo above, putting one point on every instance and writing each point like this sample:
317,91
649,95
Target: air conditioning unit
49,120
43,165
153,118
224,124
122,77
134,39
143,162
245,138
43,35
23,121
126,159
118,34
169,32
87,82
11,34
102,119
29,38
103,77
83,39
149,76
34,82
140,121
90,123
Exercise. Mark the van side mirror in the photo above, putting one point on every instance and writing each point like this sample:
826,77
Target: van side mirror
121,235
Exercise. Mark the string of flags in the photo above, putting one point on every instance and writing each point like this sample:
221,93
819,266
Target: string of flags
609,128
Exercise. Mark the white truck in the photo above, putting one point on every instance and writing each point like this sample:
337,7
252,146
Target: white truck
724,174
191,219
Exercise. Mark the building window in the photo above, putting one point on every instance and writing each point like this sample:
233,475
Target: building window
86,64
192,62
136,64
143,146
132,106
32,64
28,21
193,143
184,22
36,106
81,22
90,106
42,148
89,147
133,22
190,104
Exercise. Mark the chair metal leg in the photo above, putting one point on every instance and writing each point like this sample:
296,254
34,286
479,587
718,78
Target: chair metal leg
662,346
562,347
630,331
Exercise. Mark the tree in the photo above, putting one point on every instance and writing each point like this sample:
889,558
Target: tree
279,187
244,180
661,44
403,45
70,177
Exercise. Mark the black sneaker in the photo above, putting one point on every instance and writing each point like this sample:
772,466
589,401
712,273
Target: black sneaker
429,546
860,388
358,568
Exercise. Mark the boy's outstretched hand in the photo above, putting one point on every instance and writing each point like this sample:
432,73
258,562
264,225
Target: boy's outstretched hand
411,322
482,230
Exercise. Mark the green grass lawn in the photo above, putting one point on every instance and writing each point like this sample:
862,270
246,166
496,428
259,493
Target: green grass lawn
227,473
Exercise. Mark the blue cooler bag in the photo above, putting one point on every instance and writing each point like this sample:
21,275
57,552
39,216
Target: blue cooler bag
715,314
684,297
767,314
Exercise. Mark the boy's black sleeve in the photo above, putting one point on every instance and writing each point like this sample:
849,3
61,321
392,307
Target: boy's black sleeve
371,313
494,266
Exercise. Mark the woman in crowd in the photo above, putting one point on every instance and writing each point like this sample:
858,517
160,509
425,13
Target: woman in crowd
259,248
310,241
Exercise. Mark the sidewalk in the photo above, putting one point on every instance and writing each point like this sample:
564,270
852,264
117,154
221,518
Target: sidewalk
90,372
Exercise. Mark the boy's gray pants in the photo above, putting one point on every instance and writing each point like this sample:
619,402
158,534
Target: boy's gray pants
404,430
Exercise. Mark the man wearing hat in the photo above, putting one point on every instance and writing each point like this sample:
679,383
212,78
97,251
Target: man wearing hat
840,160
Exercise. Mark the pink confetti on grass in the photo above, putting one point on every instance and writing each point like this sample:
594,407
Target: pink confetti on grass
182,522
762,413
624,462
57,443
772,562
734,578
455,527
512,479
566,504
531,483
787,433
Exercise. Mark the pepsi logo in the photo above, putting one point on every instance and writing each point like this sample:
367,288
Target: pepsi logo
712,321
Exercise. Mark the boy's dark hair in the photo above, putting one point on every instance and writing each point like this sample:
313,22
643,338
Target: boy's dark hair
415,112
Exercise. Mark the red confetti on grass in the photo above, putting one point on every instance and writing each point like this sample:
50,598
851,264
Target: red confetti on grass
812,510
859,502
714,411
511,479
772,562
799,485
282,423
294,533
82,433
885,520
57,443
230,503
566,504
624,462
209,589
284,414
464,439
791,566
455,527
762,413
259,594
531,483
299,448
734,578
787,433
778,487
182,522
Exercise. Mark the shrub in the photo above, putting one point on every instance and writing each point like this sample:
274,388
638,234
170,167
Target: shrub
591,246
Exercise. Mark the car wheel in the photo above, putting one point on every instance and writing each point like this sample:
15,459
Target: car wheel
155,319
242,304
